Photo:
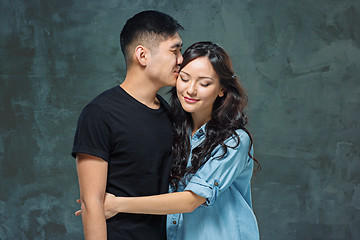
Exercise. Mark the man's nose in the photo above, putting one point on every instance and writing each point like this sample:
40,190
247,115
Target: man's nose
180,59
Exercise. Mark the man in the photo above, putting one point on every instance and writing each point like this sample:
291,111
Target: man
124,136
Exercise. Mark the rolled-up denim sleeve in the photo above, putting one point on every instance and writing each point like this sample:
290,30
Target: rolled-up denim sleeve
216,175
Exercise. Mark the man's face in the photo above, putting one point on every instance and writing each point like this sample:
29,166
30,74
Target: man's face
163,66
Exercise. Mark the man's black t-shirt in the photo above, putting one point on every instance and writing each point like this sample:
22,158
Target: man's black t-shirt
136,142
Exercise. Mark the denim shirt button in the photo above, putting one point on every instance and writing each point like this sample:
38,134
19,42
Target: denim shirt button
216,183
174,222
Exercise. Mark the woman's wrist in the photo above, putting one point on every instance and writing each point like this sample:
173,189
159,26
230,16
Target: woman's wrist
119,204
112,205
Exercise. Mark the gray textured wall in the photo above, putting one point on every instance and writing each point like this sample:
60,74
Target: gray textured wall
299,61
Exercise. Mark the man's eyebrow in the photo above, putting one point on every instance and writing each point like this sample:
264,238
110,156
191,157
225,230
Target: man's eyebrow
177,45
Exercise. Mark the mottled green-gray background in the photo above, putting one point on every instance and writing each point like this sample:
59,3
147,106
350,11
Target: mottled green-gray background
299,61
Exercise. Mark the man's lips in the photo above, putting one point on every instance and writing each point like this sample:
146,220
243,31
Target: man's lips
190,100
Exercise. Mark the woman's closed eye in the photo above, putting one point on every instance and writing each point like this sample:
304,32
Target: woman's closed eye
205,84
184,79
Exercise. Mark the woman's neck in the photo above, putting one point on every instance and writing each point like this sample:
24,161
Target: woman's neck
198,121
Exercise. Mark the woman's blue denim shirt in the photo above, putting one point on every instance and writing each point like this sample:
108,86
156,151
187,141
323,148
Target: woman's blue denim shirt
225,183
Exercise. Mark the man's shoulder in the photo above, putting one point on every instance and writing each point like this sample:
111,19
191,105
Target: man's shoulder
101,103
103,98
163,102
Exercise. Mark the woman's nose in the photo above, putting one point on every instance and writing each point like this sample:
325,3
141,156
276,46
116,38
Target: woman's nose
191,90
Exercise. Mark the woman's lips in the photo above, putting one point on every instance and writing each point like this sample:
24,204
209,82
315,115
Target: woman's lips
190,100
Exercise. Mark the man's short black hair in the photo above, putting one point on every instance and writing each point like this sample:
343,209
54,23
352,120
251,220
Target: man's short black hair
145,28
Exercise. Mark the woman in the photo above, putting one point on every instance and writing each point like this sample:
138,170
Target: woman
210,178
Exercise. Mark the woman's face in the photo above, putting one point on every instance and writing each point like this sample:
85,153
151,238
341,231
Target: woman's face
198,86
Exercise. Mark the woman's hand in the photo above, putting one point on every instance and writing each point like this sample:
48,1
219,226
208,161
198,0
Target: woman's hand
78,212
110,206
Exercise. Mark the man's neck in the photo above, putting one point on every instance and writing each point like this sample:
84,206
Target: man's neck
142,89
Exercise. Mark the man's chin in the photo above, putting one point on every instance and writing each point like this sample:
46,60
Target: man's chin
173,83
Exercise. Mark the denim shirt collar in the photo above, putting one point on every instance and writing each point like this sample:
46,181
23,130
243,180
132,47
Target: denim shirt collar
199,133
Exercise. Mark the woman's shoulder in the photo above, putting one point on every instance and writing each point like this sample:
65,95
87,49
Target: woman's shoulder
243,135
241,138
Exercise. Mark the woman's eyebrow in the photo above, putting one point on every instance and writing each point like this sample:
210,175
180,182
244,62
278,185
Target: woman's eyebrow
182,71
199,78
206,78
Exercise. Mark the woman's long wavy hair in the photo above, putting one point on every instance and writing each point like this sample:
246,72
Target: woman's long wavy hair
227,115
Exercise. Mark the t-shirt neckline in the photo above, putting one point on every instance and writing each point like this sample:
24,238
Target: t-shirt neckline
134,100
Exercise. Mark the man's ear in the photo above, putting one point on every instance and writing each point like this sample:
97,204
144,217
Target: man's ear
142,54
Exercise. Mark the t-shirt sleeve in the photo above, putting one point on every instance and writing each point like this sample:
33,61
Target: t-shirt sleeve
216,175
93,133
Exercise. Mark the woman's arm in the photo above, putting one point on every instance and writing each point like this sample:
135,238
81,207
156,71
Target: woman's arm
170,203
92,174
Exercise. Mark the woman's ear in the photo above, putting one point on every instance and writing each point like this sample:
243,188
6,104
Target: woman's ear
141,55
222,92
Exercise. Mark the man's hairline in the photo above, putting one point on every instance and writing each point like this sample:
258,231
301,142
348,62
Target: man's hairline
163,39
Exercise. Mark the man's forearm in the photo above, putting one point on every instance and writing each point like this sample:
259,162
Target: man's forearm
94,223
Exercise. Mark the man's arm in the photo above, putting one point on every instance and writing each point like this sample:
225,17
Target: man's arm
92,175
